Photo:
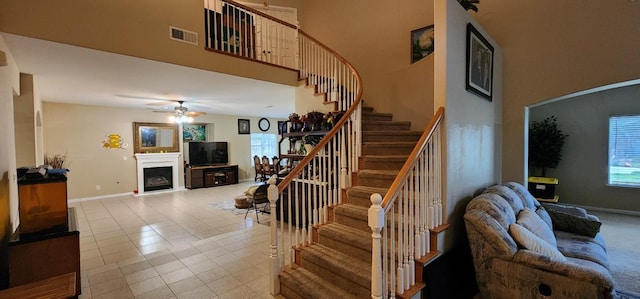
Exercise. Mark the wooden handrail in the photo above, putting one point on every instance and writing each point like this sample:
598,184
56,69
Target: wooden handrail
412,160
284,184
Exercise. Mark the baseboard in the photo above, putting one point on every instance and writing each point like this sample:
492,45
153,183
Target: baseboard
81,199
616,211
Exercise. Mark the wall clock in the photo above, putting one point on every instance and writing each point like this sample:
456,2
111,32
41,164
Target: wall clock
264,124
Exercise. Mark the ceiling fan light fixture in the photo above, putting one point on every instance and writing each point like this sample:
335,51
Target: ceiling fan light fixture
180,119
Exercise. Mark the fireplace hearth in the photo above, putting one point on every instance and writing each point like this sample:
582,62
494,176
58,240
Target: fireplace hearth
158,178
157,172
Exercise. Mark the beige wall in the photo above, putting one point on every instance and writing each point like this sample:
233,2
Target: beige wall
375,37
553,48
25,122
78,131
134,28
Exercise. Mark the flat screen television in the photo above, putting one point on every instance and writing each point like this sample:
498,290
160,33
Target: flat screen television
208,153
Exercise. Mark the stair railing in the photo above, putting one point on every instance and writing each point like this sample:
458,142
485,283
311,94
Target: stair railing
302,199
400,222
236,29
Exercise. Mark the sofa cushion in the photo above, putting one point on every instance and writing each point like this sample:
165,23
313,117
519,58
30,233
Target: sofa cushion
507,194
587,225
527,199
529,240
542,212
531,221
495,206
598,239
576,211
583,249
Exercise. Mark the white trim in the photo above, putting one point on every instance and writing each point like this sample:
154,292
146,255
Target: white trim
588,91
81,199
617,211
180,188
157,160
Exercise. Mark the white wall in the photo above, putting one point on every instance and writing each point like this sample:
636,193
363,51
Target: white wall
473,124
9,86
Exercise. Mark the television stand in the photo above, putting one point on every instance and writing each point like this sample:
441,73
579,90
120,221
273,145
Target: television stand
211,176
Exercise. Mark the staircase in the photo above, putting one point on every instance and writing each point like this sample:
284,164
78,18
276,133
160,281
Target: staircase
337,264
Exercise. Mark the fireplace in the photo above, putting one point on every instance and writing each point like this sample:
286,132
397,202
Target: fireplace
157,178
158,172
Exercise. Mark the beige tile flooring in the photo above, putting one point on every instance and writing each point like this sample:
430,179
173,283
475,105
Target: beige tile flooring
172,245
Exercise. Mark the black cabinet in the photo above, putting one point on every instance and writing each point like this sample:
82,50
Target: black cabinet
211,176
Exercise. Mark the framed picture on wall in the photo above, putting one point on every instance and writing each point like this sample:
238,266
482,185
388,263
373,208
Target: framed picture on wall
194,132
243,126
421,43
479,73
282,127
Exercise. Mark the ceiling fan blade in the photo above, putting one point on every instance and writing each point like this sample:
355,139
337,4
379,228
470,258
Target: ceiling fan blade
195,113
165,111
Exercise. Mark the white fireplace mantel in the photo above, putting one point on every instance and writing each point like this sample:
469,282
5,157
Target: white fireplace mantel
158,160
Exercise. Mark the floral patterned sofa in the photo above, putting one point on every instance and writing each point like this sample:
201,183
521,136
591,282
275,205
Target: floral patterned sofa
518,254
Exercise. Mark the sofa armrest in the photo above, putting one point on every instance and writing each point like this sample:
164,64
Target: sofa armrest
580,270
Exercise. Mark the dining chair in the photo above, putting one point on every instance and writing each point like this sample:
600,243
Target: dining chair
258,168
267,170
276,165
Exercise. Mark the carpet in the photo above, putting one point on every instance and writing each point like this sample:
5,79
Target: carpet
623,295
228,206
622,249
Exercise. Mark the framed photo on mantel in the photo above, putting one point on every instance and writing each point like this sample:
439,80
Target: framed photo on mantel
479,73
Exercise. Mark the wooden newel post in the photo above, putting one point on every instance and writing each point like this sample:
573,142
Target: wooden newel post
376,222
274,266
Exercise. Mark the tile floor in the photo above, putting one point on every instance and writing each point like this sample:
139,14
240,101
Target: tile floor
172,245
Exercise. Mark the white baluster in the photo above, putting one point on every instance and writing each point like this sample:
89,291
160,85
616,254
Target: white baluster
376,222
274,266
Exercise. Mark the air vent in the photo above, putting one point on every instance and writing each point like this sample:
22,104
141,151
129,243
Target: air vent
182,35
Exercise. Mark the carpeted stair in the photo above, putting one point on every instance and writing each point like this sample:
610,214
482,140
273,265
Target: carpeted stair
338,264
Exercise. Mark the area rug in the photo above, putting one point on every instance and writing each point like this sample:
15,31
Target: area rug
228,206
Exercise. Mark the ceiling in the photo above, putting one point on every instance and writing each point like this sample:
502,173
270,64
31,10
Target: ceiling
75,75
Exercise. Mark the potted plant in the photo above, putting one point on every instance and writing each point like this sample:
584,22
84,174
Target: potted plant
314,120
310,141
545,151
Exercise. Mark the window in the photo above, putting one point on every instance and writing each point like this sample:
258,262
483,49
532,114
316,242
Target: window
624,151
263,144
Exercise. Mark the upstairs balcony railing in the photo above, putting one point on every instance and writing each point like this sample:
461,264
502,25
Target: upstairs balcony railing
236,29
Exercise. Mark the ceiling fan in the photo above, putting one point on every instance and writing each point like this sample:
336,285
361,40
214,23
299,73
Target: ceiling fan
181,113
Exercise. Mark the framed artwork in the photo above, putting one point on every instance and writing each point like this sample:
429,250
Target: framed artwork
421,43
479,74
243,126
194,132
282,127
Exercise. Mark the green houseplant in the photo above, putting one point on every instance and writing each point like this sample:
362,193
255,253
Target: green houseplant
545,144
309,141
